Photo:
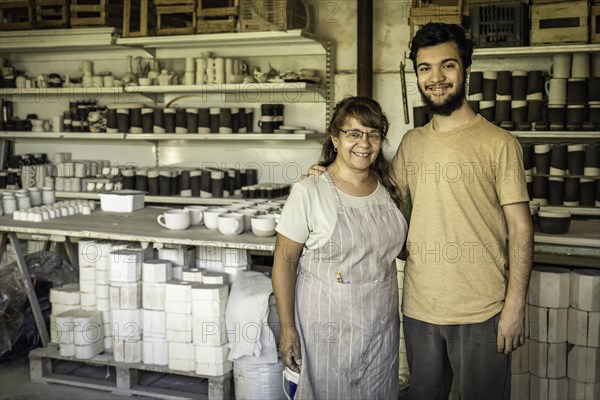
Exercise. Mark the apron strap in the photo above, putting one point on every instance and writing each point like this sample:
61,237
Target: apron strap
336,195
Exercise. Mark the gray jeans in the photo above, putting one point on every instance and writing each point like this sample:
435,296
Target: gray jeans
436,353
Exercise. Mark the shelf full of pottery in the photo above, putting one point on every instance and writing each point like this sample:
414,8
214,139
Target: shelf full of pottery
210,184
118,121
526,100
201,75
562,175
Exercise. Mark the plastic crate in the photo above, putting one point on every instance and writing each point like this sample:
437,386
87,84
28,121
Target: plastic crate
500,24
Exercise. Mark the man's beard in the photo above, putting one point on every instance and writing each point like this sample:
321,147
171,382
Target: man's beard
452,103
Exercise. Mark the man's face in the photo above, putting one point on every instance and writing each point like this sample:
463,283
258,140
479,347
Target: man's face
441,78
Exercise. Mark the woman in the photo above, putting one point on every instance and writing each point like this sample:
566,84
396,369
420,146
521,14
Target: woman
334,273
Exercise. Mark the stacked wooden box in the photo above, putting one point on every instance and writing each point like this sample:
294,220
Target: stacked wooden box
176,17
96,13
139,18
445,11
213,16
559,22
16,14
52,13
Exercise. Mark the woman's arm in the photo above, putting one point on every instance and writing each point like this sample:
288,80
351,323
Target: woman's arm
287,254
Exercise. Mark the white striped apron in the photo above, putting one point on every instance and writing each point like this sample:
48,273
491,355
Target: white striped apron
349,330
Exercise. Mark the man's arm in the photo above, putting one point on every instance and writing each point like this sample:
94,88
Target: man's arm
511,328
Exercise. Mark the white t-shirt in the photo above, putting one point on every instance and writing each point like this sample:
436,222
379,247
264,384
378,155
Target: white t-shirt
310,212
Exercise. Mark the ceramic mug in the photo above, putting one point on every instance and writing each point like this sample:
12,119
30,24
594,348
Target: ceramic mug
211,216
175,220
561,66
231,224
556,89
196,214
263,225
580,68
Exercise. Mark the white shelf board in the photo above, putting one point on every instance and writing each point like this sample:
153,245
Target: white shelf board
62,135
156,199
582,211
226,88
58,39
92,89
566,135
286,40
535,50
223,136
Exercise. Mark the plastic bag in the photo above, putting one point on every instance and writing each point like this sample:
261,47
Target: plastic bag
46,270
258,381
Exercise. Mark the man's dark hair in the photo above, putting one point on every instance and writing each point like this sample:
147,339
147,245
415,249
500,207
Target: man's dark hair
435,33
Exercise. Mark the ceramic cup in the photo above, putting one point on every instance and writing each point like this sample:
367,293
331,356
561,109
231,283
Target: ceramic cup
580,67
211,216
196,214
231,224
176,220
556,89
561,66
263,225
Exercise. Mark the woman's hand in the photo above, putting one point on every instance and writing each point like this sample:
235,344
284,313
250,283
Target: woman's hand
315,170
289,347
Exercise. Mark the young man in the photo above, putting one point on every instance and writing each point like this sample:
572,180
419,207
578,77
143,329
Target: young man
466,181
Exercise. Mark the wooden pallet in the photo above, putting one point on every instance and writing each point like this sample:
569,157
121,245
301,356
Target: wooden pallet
216,19
46,365
96,13
139,18
16,15
175,17
52,13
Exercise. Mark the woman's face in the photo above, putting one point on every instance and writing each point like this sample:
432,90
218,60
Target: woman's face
357,152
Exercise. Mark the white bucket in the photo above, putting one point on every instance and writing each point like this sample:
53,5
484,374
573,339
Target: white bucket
290,383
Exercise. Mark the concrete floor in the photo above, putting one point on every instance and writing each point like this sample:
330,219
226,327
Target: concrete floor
16,385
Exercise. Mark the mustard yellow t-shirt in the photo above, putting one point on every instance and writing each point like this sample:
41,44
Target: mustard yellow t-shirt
458,181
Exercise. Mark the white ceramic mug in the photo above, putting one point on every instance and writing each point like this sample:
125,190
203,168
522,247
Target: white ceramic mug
196,214
263,225
176,220
57,123
248,214
211,216
231,224
580,68
556,89
561,66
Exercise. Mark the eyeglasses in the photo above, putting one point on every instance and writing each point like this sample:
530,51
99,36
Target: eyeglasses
354,135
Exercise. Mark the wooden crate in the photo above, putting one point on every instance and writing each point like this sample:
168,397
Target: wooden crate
96,13
101,372
52,13
17,15
595,24
139,18
559,23
216,16
422,13
175,17
269,15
